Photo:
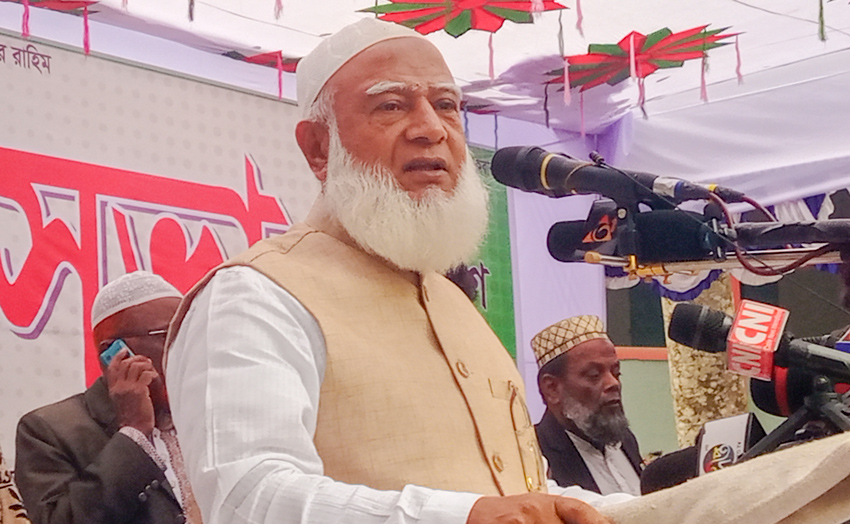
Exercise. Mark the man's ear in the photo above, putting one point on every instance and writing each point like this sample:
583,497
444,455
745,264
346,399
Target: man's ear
550,389
313,139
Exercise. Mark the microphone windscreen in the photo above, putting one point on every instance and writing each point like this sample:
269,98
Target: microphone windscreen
518,167
785,394
669,470
699,327
672,235
565,238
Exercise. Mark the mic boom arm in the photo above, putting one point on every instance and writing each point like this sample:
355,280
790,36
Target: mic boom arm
778,256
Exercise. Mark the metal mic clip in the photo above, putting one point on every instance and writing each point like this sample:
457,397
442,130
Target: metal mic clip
598,159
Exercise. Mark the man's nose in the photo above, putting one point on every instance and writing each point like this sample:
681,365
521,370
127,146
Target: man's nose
611,384
425,124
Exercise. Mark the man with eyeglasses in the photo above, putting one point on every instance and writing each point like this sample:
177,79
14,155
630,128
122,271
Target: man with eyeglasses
110,454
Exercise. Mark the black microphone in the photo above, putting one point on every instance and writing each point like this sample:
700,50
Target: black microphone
669,470
535,170
664,235
706,329
720,444
786,393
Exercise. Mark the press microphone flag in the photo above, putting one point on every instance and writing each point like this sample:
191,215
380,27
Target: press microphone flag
753,339
707,330
722,442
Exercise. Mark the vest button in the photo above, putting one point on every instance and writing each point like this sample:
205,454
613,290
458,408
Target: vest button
462,369
530,484
143,497
498,463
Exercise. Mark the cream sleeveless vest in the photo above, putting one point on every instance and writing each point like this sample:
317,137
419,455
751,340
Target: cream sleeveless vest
417,389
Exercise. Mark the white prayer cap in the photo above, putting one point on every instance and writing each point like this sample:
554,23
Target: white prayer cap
127,291
315,69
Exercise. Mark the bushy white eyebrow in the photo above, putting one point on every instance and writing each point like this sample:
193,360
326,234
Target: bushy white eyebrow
387,86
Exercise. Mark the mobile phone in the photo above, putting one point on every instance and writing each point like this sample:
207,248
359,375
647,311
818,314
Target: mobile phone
113,349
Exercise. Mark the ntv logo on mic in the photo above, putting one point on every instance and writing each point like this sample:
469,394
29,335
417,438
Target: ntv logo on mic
753,339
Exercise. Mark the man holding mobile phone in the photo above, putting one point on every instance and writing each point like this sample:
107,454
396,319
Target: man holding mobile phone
110,454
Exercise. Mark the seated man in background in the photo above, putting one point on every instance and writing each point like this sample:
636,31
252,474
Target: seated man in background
110,454
11,507
584,433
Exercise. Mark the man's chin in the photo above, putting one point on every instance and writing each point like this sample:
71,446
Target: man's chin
428,229
612,408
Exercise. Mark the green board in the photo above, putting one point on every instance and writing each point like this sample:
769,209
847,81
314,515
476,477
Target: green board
492,268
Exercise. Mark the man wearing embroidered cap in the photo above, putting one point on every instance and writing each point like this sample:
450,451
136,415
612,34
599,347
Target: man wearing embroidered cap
332,374
110,454
584,433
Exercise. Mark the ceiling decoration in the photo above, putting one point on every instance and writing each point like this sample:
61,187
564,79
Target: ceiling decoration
456,17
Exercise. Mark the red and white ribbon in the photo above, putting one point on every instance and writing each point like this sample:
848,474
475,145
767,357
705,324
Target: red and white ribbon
25,21
279,75
86,36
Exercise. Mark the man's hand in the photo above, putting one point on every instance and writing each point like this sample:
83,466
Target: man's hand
128,380
533,508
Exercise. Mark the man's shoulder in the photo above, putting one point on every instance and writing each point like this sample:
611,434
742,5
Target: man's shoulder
548,424
69,409
276,244
545,430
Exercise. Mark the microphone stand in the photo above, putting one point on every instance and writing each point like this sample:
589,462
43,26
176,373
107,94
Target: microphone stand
823,404
627,208
668,268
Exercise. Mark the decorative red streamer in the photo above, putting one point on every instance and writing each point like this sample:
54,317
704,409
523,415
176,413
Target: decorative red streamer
632,61
86,36
703,90
278,9
25,21
280,75
738,64
124,4
567,95
579,18
492,65
581,110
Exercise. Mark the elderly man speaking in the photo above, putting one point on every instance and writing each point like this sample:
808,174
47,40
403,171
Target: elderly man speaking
331,374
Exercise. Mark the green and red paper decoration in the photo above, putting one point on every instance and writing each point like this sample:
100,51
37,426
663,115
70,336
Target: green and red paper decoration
456,17
638,56
642,55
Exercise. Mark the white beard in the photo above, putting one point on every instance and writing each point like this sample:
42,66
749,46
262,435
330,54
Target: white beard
433,233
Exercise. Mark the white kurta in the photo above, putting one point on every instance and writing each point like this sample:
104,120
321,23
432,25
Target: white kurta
243,376
611,469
